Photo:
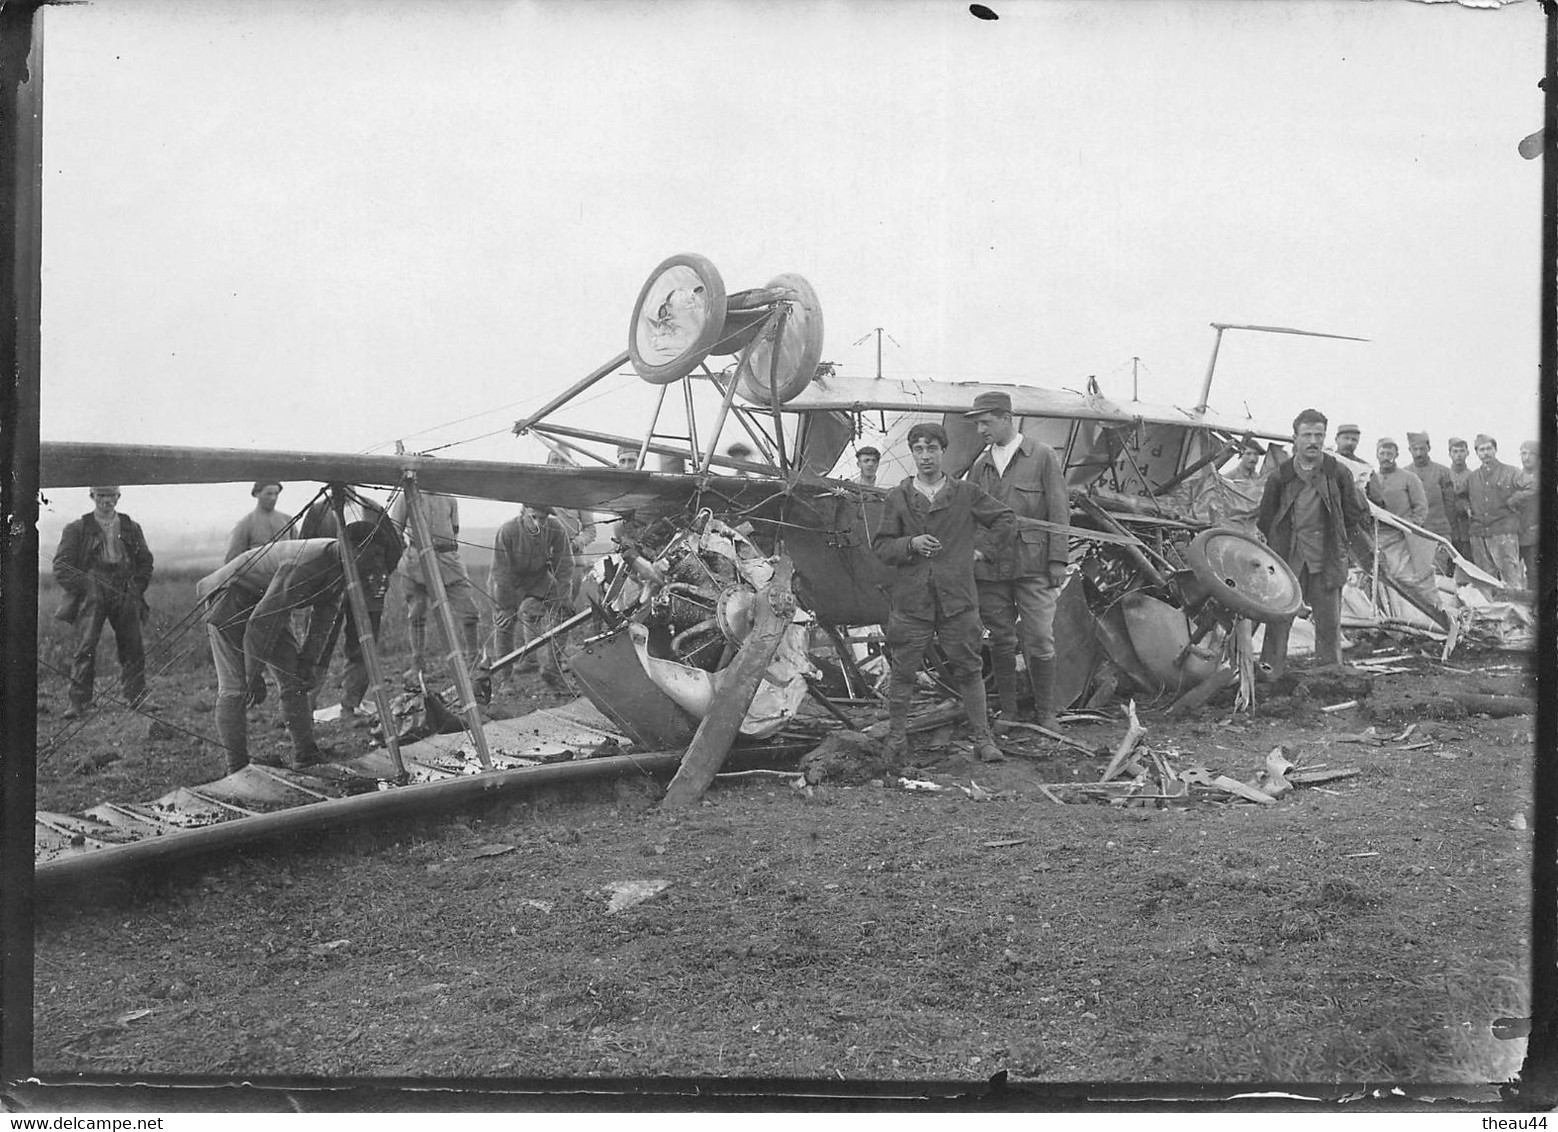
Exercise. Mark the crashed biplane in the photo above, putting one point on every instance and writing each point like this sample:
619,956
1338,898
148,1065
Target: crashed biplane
1161,601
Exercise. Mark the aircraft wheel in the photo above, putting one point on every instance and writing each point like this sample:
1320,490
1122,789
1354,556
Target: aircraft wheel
1244,574
799,351
679,316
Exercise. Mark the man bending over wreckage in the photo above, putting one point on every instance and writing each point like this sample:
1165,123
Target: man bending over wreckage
249,604
927,535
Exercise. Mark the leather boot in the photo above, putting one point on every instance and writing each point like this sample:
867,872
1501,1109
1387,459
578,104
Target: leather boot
973,693
898,698
1005,672
232,729
1041,674
418,652
300,726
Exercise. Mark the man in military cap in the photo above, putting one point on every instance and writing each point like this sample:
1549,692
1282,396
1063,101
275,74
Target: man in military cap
1357,467
1400,492
1438,490
1020,582
1460,510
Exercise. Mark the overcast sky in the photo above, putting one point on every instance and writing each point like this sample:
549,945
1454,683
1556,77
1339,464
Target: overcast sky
331,225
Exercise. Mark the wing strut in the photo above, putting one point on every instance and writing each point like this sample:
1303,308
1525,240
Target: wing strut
417,510
365,641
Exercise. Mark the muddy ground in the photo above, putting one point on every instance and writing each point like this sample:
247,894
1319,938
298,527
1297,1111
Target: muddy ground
1374,928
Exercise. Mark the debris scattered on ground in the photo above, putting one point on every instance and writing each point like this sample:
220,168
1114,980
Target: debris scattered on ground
920,784
1343,706
626,893
491,851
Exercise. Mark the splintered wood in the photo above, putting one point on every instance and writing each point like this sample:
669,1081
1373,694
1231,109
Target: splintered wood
1156,782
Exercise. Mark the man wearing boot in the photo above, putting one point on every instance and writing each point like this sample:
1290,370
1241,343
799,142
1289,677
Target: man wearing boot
104,567
927,536
443,517
532,576
1310,512
1022,584
249,604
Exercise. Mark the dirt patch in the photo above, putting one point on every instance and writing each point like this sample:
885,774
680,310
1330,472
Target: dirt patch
1372,928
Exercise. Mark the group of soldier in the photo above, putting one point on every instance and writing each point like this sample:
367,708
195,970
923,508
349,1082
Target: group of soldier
983,555
277,602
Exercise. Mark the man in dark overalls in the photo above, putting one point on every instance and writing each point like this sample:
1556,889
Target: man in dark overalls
104,567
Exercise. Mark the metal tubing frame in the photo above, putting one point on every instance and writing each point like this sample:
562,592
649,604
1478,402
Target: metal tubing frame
370,649
773,386
523,424
654,423
726,399
435,582
693,446
757,436
665,449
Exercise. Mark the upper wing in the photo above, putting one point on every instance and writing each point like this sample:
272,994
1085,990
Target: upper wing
65,464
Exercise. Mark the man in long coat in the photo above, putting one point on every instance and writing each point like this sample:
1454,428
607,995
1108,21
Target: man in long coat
1020,586
1310,512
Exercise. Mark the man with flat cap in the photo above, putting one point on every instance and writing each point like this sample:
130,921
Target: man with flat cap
1497,492
262,525
104,567
1019,579
1400,492
1438,489
1460,511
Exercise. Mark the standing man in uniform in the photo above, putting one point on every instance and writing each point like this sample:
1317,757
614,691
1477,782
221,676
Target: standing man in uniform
927,536
578,525
1497,491
1347,437
319,521
1020,581
443,520
1531,512
262,525
1310,512
1460,511
1400,492
532,575
1439,490
248,613
104,567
